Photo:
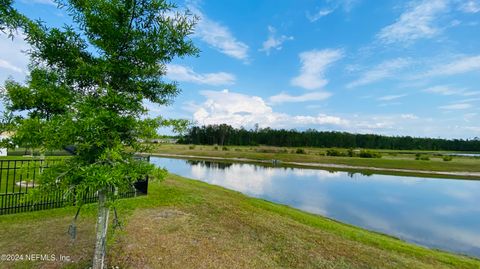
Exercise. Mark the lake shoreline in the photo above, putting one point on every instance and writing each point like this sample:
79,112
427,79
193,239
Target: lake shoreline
379,203
192,224
332,166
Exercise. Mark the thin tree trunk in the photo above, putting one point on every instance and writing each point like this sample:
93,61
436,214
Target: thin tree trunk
102,226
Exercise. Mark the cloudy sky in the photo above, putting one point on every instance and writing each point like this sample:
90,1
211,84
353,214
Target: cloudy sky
389,67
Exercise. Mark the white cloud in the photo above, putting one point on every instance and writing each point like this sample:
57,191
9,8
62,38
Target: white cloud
6,65
457,106
318,15
475,129
274,42
44,2
239,109
455,23
235,109
447,90
314,64
384,70
321,119
469,100
348,5
391,97
462,65
331,6
390,104
409,116
219,37
443,90
417,22
183,73
13,62
286,98
470,6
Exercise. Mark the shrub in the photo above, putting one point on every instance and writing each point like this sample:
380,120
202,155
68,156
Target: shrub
224,148
238,150
300,151
334,152
447,158
266,150
369,154
192,147
421,157
215,148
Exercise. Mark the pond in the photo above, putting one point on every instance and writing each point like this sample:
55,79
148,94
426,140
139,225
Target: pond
436,213
464,154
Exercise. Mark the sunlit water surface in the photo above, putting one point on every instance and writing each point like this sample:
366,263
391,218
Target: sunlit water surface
437,213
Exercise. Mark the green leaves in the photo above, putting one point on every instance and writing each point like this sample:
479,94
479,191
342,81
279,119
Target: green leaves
10,19
87,85
115,172
179,126
29,133
44,96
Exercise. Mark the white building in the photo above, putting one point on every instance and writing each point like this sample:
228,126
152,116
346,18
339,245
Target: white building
3,151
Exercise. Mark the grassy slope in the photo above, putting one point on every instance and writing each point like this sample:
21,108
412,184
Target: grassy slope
390,159
190,224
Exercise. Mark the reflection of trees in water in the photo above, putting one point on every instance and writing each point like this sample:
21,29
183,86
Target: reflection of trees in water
256,168
209,164
365,174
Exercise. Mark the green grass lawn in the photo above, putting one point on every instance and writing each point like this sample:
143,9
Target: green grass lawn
190,224
15,169
390,159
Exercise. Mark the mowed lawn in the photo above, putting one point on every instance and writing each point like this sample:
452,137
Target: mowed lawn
184,223
16,169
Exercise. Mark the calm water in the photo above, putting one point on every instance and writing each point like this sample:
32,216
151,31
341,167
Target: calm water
465,154
438,213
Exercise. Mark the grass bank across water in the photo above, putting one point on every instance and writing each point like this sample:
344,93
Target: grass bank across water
392,162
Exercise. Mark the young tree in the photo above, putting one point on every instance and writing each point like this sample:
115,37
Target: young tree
178,126
87,89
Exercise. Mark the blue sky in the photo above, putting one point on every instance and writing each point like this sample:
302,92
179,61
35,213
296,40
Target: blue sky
387,67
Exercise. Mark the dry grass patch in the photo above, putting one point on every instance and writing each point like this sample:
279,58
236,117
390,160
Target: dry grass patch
47,236
172,238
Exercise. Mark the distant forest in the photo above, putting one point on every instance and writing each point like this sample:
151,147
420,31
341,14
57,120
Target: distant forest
224,134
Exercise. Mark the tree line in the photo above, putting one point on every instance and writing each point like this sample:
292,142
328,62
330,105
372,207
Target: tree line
224,134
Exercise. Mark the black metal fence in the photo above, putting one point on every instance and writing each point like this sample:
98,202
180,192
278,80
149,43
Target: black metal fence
18,177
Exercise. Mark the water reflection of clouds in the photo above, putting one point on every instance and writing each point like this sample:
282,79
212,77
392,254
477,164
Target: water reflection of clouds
247,179
316,204
449,210
421,230
463,239
438,213
269,182
319,174
468,193
447,236
392,199
369,220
